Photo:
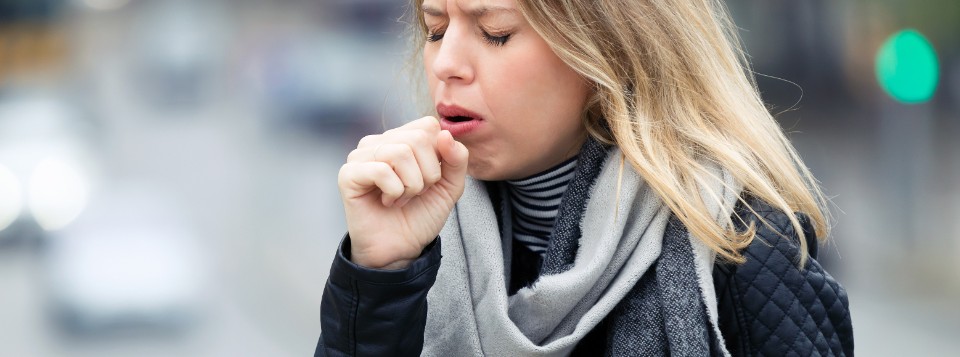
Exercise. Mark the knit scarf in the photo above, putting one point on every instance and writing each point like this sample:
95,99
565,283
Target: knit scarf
623,257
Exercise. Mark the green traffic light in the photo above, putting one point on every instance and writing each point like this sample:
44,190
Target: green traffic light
907,67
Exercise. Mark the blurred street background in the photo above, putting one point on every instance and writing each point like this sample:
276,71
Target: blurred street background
168,167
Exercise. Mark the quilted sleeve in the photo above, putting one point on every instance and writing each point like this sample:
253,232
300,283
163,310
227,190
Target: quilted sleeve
768,306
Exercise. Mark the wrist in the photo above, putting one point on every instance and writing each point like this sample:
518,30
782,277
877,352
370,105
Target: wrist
395,257
378,263
396,265
384,265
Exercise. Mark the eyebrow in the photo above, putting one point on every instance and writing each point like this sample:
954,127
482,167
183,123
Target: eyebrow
478,11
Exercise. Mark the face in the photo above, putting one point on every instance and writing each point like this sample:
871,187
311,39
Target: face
500,89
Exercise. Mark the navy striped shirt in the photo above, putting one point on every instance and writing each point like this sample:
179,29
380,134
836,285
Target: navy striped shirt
535,201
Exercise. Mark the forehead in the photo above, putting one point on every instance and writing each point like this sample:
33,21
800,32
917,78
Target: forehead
475,8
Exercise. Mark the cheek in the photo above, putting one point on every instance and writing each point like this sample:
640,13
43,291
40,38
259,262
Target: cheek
534,88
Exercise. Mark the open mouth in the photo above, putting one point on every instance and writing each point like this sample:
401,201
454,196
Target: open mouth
458,121
459,118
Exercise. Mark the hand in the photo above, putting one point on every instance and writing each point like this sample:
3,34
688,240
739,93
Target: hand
398,188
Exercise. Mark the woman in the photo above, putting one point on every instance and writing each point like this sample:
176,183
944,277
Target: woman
648,204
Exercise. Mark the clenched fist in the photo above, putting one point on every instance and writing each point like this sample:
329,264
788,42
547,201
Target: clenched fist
398,188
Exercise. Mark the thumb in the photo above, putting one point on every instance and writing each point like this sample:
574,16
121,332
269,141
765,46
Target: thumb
453,155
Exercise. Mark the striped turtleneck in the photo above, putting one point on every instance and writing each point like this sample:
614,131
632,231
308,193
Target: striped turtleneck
535,201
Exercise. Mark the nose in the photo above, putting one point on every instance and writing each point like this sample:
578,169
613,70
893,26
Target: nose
453,60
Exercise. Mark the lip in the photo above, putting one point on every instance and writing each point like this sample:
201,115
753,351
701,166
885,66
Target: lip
458,129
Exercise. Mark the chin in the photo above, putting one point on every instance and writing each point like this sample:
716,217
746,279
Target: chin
480,174
484,170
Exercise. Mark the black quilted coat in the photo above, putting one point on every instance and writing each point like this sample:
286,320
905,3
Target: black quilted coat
767,306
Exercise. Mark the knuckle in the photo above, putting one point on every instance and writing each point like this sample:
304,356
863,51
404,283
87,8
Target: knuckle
367,140
432,123
390,179
382,170
412,123
353,156
408,153
418,136
416,186
390,152
343,176
383,176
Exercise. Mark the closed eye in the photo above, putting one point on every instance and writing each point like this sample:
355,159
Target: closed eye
490,39
495,40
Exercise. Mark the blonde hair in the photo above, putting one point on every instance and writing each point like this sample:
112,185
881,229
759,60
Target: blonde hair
674,91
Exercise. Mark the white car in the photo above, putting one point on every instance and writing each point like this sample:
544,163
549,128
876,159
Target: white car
130,260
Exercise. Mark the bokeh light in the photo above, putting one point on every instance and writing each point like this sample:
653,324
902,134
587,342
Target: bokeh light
57,193
907,67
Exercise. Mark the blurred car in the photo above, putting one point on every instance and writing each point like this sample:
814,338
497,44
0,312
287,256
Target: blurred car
130,261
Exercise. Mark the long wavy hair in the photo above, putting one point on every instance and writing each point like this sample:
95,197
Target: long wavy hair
673,89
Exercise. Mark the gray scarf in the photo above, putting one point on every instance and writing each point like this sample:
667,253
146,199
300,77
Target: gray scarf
628,260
